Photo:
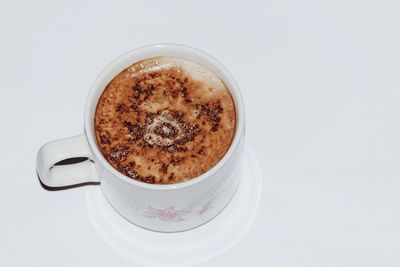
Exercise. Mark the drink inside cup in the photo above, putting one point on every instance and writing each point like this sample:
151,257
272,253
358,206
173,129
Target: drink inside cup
165,120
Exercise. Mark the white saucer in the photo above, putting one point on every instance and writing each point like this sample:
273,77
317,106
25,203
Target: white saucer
187,248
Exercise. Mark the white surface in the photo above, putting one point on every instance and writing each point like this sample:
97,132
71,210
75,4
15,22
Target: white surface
324,73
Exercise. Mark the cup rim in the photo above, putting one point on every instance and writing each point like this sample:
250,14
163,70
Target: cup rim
159,48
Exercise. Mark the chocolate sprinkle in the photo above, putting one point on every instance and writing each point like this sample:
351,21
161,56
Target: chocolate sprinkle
149,179
190,132
137,90
105,140
121,108
176,160
129,171
164,168
166,129
136,130
212,112
117,154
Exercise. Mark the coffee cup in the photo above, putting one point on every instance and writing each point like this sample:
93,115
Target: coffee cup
157,207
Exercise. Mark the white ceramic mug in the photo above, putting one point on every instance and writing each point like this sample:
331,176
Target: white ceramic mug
165,208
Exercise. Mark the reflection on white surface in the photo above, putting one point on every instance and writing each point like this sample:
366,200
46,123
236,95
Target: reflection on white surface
187,248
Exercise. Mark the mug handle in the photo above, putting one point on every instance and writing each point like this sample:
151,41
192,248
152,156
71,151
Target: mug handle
51,153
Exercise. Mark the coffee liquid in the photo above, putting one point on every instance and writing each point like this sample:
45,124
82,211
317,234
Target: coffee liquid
165,120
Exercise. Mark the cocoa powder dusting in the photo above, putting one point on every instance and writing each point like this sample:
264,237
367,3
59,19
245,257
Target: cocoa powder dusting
212,111
136,130
174,126
121,108
104,139
117,154
164,168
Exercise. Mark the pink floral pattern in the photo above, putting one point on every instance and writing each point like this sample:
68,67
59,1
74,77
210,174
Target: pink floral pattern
208,205
168,215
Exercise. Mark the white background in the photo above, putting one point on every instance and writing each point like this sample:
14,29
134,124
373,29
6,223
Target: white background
321,82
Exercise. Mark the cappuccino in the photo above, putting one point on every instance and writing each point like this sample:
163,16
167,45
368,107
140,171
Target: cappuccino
165,120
